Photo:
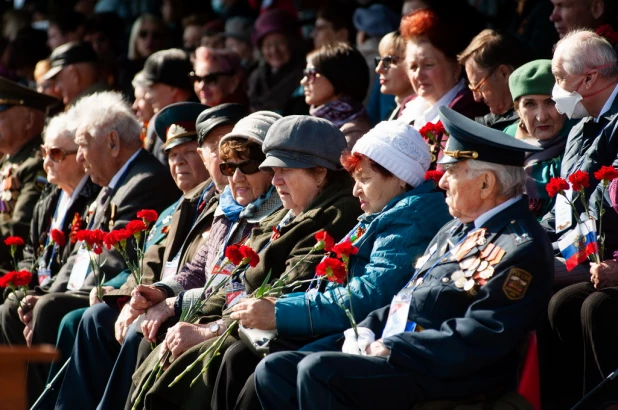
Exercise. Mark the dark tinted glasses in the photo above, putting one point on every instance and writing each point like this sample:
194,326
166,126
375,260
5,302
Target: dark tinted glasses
310,73
55,154
208,79
386,61
246,167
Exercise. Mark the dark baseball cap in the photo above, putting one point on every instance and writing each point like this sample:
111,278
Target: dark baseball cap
221,114
171,67
70,53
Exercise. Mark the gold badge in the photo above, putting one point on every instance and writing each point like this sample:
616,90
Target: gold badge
516,283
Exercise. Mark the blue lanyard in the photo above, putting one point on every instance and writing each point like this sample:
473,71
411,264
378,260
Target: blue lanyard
51,227
118,183
199,202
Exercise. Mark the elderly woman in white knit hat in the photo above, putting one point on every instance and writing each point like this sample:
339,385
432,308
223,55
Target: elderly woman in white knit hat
402,213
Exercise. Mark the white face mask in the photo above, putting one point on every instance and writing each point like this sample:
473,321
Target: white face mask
569,103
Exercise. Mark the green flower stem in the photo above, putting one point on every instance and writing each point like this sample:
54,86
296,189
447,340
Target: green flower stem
215,347
158,367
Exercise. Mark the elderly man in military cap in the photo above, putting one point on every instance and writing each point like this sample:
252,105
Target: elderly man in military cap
95,344
453,332
22,116
75,71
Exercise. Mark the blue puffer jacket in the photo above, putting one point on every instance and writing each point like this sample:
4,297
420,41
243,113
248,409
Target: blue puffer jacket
387,252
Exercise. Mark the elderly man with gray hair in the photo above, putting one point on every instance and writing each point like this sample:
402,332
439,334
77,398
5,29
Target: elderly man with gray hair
582,316
452,333
109,150
586,71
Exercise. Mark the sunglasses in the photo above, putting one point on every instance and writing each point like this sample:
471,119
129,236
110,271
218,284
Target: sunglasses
145,33
208,79
477,88
386,61
246,167
310,73
55,154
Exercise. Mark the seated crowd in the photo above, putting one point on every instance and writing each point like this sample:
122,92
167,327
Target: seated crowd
416,211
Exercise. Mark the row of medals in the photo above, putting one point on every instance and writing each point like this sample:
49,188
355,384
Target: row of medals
474,271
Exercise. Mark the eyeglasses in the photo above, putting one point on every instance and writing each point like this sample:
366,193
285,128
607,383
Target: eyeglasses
55,154
386,61
311,74
246,167
477,88
145,33
208,79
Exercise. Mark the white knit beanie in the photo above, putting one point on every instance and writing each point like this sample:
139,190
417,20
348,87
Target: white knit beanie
397,147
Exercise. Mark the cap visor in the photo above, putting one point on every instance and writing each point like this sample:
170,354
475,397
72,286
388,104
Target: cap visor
275,162
449,160
52,72
174,142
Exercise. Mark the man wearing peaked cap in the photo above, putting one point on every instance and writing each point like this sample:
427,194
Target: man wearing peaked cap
22,116
469,305
75,72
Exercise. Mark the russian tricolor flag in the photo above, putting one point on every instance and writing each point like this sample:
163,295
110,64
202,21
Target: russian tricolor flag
580,242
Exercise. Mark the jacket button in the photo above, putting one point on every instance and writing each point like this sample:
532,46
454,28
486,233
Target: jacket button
445,280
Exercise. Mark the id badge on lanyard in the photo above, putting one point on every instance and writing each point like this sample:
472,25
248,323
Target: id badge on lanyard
43,273
81,268
564,212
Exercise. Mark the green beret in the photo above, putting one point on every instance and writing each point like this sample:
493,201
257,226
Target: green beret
533,78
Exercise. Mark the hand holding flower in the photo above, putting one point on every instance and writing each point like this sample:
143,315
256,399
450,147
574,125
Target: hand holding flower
256,313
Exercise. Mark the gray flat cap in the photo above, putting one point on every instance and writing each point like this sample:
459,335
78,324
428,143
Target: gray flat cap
302,141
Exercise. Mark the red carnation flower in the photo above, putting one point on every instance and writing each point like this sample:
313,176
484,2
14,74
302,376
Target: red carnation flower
333,269
136,226
22,278
249,256
97,250
325,241
556,186
232,252
606,174
436,176
91,237
7,279
14,241
148,215
579,180
118,235
58,237
345,248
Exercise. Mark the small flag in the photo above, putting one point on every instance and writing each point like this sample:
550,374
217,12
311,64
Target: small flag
578,244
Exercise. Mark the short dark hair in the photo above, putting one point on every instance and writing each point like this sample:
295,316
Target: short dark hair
241,148
344,66
67,21
490,49
339,15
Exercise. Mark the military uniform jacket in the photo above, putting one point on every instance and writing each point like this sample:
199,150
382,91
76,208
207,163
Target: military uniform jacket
147,185
590,146
22,179
41,223
174,232
466,342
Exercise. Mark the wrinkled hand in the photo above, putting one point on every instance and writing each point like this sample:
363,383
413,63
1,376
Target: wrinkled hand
183,336
28,303
28,334
94,298
145,296
377,348
126,317
604,274
256,313
155,317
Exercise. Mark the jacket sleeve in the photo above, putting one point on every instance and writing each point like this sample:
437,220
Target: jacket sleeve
491,328
400,239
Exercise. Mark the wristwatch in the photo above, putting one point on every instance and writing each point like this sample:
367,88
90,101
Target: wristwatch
214,329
